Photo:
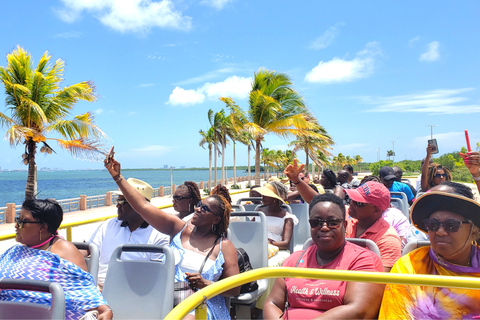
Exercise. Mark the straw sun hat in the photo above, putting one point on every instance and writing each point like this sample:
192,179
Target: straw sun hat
144,188
268,191
434,201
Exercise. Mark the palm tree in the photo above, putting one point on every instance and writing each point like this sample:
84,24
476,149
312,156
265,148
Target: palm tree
309,144
245,138
390,153
280,160
267,157
39,108
274,106
359,159
216,120
208,138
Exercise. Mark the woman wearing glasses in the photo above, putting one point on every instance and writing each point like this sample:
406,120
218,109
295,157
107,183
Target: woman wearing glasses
186,196
433,174
451,218
43,256
311,298
200,243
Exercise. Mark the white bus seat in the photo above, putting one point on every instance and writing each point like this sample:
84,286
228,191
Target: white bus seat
301,231
27,310
140,289
251,206
403,197
406,180
410,246
252,237
366,243
93,258
398,203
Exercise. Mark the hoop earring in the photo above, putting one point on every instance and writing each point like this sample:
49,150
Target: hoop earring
40,235
213,228
474,242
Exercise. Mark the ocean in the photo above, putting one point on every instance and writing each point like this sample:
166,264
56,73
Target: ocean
71,184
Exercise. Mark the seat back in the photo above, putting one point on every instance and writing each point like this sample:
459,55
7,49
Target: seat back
414,245
366,243
28,310
237,207
301,231
92,259
249,206
403,196
398,203
406,180
251,236
140,289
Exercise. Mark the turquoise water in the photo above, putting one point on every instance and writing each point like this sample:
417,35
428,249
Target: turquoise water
71,184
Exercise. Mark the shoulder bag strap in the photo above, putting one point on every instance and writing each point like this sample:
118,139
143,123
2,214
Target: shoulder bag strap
208,255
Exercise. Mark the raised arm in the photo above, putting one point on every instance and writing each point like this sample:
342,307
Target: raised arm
426,164
162,221
472,159
292,172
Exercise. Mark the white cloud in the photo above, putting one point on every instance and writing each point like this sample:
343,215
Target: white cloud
442,101
447,142
339,70
137,16
432,52
327,38
207,76
98,111
144,85
69,35
234,87
181,96
413,40
217,4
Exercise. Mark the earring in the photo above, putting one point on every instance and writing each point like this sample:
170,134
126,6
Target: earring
213,228
474,242
40,235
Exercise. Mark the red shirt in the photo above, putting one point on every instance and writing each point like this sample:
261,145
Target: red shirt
309,298
384,235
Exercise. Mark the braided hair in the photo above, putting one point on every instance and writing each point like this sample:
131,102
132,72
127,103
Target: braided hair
331,177
193,192
370,178
224,214
432,171
223,191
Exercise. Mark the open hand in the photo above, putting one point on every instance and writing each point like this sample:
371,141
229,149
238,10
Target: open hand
196,280
292,171
472,162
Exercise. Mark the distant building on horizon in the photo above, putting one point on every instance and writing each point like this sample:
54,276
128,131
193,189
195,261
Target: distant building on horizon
165,166
182,167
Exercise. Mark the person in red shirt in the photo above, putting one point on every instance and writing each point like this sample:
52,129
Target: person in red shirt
316,298
367,204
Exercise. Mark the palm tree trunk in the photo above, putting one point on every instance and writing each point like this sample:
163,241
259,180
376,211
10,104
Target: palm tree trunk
249,169
257,161
234,167
215,164
209,168
223,164
31,188
306,162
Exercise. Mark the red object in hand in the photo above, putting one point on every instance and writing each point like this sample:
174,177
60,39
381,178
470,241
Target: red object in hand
468,141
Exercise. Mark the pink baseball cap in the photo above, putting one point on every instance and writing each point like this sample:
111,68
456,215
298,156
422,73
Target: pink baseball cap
371,192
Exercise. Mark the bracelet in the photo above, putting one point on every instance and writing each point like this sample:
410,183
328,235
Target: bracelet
113,313
476,178
295,183
118,178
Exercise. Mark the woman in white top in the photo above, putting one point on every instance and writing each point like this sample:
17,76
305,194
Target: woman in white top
279,222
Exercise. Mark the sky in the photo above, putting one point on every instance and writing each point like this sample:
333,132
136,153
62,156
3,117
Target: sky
378,75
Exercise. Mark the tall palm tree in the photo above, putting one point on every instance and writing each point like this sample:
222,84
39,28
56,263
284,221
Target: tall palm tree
39,108
267,157
280,160
390,153
208,138
215,120
359,159
246,139
309,144
274,107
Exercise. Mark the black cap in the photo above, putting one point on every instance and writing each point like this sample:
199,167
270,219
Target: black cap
387,173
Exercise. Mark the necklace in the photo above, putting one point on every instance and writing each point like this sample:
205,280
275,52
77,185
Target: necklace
41,244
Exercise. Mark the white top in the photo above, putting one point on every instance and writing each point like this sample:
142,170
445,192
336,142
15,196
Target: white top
111,234
397,220
275,226
192,261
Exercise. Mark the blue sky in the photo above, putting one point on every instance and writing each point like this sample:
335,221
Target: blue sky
373,72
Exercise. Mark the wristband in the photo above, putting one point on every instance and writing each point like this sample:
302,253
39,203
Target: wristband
118,178
295,183
113,314
476,178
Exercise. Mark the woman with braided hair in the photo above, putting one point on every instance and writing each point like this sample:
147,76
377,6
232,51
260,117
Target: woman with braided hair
185,198
328,180
433,174
198,244
223,191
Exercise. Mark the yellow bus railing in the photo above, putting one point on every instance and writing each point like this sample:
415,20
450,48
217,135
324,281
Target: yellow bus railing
199,297
82,221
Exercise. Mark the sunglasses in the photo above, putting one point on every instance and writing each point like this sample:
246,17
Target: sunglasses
331,223
440,175
450,225
121,202
358,203
21,222
203,207
180,198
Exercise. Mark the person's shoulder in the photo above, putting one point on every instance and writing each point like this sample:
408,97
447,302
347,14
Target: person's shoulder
362,258
293,258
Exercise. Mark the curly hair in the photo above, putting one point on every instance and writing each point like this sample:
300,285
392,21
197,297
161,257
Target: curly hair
193,190
225,210
331,177
432,171
223,191
370,178
280,189
327,197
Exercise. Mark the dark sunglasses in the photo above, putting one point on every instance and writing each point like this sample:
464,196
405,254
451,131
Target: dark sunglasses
358,203
21,222
331,223
121,202
440,175
203,207
180,198
450,225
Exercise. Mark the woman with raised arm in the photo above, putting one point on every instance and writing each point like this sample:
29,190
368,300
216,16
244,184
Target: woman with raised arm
295,298
45,256
433,174
451,218
200,241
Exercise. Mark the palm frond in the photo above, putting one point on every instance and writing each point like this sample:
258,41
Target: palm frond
83,149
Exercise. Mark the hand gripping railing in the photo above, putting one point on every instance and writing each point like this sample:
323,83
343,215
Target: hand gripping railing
199,298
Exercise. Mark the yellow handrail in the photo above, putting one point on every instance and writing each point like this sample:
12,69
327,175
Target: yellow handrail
180,311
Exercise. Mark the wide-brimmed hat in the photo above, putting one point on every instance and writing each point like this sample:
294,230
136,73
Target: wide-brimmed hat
144,188
371,192
268,191
434,201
